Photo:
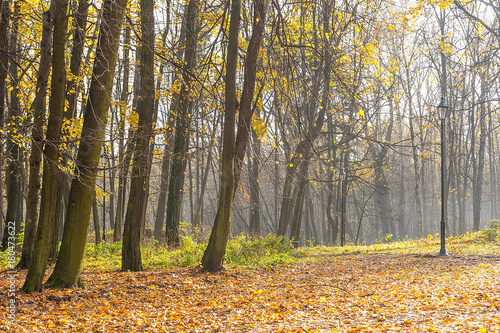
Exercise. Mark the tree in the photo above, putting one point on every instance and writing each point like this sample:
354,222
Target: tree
131,251
182,128
213,257
14,132
234,148
123,157
50,179
313,118
69,260
39,113
4,67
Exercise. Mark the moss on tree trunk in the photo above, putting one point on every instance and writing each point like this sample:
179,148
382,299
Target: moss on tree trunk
69,261
50,179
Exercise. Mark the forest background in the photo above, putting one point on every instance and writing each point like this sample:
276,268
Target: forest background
312,120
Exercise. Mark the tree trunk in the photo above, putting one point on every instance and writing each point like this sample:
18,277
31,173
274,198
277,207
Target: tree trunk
131,250
287,198
95,217
13,169
79,33
50,180
332,154
302,182
39,109
69,261
402,230
417,176
165,167
72,89
162,196
199,205
213,257
478,177
247,96
111,179
123,160
183,124
314,125
493,168
255,227
4,64
382,199
310,207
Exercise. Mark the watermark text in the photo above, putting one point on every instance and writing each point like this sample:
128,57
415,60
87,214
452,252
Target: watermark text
11,264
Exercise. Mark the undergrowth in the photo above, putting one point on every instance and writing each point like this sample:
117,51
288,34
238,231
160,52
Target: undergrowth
485,242
241,251
246,251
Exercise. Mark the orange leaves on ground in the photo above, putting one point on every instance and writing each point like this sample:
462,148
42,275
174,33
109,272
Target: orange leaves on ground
344,293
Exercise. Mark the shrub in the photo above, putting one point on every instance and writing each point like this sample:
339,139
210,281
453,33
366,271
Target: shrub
260,251
493,232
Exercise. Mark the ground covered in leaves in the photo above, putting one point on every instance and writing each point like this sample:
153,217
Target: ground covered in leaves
334,293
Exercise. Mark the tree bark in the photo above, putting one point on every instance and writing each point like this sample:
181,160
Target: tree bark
165,168
39,109
50,180
131,250
183,123
382,199
479,175
302,182
213,257
4,64
79,33
199,205
255,227
95,217
246,109
493,168
14,133
123,160
416,173
314,125
69,261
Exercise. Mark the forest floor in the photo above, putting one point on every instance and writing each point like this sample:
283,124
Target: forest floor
399,288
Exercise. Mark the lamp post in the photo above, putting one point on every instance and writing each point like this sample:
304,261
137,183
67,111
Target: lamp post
443,111
343,187
104,157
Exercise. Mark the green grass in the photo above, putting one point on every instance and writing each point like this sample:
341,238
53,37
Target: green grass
247,252
485,242
241,251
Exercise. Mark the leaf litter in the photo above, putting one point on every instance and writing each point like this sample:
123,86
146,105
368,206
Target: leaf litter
341,293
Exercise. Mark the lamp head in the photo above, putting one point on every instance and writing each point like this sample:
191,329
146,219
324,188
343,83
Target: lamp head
104,157
442,109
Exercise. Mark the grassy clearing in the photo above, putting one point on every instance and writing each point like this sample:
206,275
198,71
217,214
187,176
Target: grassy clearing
252,252
486,242
244,251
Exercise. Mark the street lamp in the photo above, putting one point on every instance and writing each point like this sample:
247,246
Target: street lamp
104,157
443,111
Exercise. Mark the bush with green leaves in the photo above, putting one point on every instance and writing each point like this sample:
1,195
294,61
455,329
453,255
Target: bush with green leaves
260,251
493,232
